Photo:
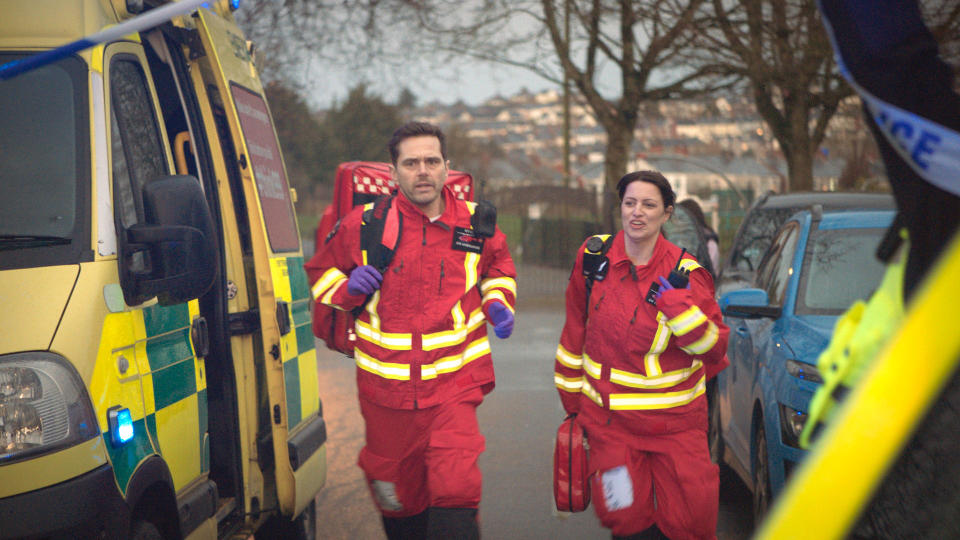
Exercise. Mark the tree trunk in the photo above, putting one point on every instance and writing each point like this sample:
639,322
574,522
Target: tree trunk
800,155
616,157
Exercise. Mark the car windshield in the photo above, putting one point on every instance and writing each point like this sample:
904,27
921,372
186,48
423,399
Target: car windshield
756,236
39,126
839,267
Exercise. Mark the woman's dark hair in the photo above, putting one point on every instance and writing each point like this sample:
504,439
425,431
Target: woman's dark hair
652,177
415,129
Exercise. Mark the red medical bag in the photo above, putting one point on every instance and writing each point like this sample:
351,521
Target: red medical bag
571,477
358,183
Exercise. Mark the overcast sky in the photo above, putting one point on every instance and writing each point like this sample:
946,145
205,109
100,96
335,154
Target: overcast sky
472,84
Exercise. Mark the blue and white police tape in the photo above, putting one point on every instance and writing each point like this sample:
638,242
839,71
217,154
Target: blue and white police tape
147,20
931,150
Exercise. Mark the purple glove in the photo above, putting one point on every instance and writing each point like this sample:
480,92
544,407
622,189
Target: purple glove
364,280
665,285
502,320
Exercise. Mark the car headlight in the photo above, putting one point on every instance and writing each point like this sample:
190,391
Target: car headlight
802,370
43,406
791,425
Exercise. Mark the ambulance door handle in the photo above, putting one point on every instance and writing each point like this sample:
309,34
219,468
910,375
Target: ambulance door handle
283,317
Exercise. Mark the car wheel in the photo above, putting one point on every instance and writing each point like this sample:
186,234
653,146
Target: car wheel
714,439
761,475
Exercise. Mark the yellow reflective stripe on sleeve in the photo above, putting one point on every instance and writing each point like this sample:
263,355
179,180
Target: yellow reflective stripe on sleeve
592,368
651,360
470,264
568,384
387,340
685,322
591,393
689,265
671,378
387,370
452,363
449,338
706,342
327,283
501,283
568,359
657,400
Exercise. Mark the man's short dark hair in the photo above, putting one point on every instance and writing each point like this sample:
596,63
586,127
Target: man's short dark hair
415,129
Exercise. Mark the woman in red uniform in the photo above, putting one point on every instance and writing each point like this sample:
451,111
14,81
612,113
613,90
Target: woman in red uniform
634,357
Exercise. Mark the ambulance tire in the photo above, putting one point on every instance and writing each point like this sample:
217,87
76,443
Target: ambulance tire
761,474
303,527
144,530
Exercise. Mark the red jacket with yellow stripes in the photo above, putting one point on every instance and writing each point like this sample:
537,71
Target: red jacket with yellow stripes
422,338
647,364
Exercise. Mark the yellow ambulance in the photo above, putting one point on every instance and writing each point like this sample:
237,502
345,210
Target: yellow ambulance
158,377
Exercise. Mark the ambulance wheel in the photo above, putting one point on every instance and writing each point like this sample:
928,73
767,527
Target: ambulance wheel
714,440
144,530
761,475
303,527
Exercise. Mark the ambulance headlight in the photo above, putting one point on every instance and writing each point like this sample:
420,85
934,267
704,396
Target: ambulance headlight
43,406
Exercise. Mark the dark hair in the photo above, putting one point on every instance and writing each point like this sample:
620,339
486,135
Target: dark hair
697,212
415,129
652,177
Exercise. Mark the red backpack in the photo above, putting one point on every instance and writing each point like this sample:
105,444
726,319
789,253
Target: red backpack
358,183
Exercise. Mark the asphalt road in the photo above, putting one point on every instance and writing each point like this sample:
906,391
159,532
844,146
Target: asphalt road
519,419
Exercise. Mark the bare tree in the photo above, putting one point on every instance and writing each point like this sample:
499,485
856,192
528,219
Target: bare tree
617,54
780,50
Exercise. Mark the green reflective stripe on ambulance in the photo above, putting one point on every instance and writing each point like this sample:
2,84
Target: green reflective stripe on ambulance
173,383
125,458
291,380
302,325
299,286
159,319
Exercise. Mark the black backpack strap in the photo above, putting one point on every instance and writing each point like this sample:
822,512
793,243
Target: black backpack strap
379,238
595,261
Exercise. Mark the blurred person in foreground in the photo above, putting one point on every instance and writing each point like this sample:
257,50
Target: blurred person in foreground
422,354
637,348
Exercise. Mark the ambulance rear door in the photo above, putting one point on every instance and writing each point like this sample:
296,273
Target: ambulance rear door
282,294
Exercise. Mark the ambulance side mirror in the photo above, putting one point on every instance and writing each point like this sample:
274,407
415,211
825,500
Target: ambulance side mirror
173,254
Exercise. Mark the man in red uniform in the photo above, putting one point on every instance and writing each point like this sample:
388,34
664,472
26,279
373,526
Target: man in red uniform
423,359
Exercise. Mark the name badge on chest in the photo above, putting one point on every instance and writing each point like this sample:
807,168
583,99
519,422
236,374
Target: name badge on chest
467,240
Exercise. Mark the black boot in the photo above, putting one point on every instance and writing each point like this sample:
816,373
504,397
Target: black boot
651,533
406,528
452,524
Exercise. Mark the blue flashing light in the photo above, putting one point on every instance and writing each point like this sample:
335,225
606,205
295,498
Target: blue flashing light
234,4
121,425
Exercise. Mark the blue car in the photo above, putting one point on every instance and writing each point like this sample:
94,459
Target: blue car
818,264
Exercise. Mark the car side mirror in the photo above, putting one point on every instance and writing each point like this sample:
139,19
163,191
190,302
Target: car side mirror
748,304
173,254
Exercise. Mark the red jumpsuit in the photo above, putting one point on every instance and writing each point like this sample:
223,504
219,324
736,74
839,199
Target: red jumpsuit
422,355
636,375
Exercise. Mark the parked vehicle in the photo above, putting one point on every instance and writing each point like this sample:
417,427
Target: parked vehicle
818,264
158,376
765,217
